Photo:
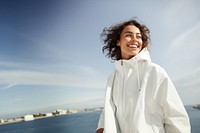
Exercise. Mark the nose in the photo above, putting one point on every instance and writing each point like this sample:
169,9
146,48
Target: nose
134,38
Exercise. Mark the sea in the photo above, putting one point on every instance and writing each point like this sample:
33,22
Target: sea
83,122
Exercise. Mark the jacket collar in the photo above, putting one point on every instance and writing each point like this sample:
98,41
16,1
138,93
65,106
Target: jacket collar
143,55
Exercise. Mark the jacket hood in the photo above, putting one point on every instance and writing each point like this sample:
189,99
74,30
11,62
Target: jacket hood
143,55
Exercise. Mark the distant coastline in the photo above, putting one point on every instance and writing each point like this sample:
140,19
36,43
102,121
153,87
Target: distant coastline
197,106
57,112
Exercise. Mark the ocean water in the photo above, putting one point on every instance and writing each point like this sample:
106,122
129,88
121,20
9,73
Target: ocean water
194,115
84,122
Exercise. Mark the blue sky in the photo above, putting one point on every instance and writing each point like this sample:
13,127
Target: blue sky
50,50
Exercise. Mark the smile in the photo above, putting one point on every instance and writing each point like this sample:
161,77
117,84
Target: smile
132,46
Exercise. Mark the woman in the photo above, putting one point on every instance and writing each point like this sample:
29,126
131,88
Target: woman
140,97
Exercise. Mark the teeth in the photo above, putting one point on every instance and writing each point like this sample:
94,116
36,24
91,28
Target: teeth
132,46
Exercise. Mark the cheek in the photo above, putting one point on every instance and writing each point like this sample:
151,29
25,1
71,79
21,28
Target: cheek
141,43
125,40
128,39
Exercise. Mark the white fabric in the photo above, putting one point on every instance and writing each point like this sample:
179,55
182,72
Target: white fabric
141,98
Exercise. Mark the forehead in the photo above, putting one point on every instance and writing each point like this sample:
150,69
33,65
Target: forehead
131,29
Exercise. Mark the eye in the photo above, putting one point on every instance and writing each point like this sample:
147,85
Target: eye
128,35
139,37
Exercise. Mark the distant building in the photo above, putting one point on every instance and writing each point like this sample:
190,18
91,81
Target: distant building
10,120
28,117
72,111
48,114
59,112
2,121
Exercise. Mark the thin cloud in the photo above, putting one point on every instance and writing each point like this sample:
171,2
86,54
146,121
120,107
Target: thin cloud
27,74
188,87
183,52
89,70
189,80
178,13
190,38
7,86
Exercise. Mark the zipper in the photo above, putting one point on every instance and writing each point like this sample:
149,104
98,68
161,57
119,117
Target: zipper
139,89
138,75
122,88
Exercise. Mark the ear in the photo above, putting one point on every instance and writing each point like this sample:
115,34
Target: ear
118,43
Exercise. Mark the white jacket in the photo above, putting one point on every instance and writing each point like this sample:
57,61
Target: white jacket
141,98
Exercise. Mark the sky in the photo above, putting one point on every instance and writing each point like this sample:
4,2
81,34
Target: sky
51,52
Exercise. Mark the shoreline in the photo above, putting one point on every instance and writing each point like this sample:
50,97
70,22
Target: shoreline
15,120
36,116
44,115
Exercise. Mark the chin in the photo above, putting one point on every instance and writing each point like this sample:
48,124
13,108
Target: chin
134,54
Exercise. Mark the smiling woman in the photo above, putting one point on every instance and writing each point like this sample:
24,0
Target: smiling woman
127,36
139,96
130,42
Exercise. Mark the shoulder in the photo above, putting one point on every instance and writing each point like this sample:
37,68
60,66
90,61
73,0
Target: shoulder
157,70
159,76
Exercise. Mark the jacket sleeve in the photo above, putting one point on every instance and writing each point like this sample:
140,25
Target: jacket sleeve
176,119
107,120
101,121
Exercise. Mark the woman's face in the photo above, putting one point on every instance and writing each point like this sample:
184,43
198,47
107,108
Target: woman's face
130,42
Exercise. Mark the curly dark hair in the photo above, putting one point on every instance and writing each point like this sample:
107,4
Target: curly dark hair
111,35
